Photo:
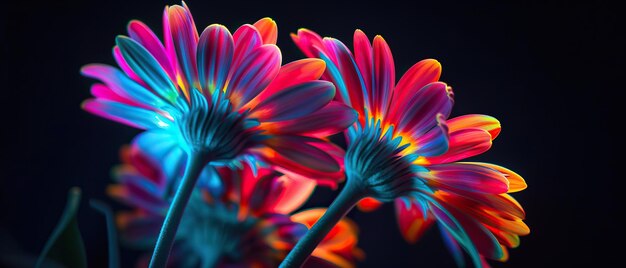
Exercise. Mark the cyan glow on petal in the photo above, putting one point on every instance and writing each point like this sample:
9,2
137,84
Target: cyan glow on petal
147,68
143,35
129,115
122,85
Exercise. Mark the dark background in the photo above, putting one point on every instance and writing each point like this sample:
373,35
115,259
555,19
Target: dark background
552,73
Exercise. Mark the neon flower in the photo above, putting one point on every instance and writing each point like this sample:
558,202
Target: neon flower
243,222
405,149
223,98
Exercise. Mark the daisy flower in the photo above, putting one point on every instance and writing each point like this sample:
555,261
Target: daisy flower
241,220
405,149
223,98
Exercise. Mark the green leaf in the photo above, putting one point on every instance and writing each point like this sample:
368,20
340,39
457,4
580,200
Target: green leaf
65,245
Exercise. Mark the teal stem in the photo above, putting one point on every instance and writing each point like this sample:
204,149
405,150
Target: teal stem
114,254
345,201
195,164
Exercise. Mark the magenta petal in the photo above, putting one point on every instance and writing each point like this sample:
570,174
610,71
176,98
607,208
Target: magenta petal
346,78
246,40
418,114
463,144
331,119
297,150
254,74
101,91
418,76
215,55
289,194
364,57
435,141
185,41
384,76
123,86
117,55
141,33
294,102
308,41
466,177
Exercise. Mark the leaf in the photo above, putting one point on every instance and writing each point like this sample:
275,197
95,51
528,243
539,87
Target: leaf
114,259
65,245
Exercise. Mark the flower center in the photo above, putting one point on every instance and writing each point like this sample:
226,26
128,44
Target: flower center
374,161
214,230
212,127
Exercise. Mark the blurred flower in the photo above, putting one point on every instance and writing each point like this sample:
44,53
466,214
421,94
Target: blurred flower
234,218
224,97
404,148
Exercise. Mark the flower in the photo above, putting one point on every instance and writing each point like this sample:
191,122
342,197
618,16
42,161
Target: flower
234,218
225,97
404,148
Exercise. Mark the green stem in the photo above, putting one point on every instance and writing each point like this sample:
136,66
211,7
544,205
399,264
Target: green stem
195,164
348,197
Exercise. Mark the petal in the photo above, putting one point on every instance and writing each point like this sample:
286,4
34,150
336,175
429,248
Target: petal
254,73
147,68
331,119
343,235
435,141
364,58
418,76
466,177
295,102
384,77
462,144
483,240
516,182
247,38
454,228
128,115
293,73
505,238
368,204
101,91
308,42
185,42
163,148
123,86
290,194
453,247
411,220
484,122
297,150
215,55
418,114
268,30
316,150
117,55
141,33
343,72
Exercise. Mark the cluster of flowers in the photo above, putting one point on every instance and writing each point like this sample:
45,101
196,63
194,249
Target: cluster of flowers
235,143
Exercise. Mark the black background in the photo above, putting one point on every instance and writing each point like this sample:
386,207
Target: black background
551,72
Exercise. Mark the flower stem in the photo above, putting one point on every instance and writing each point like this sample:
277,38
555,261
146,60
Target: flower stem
195,163
348,197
